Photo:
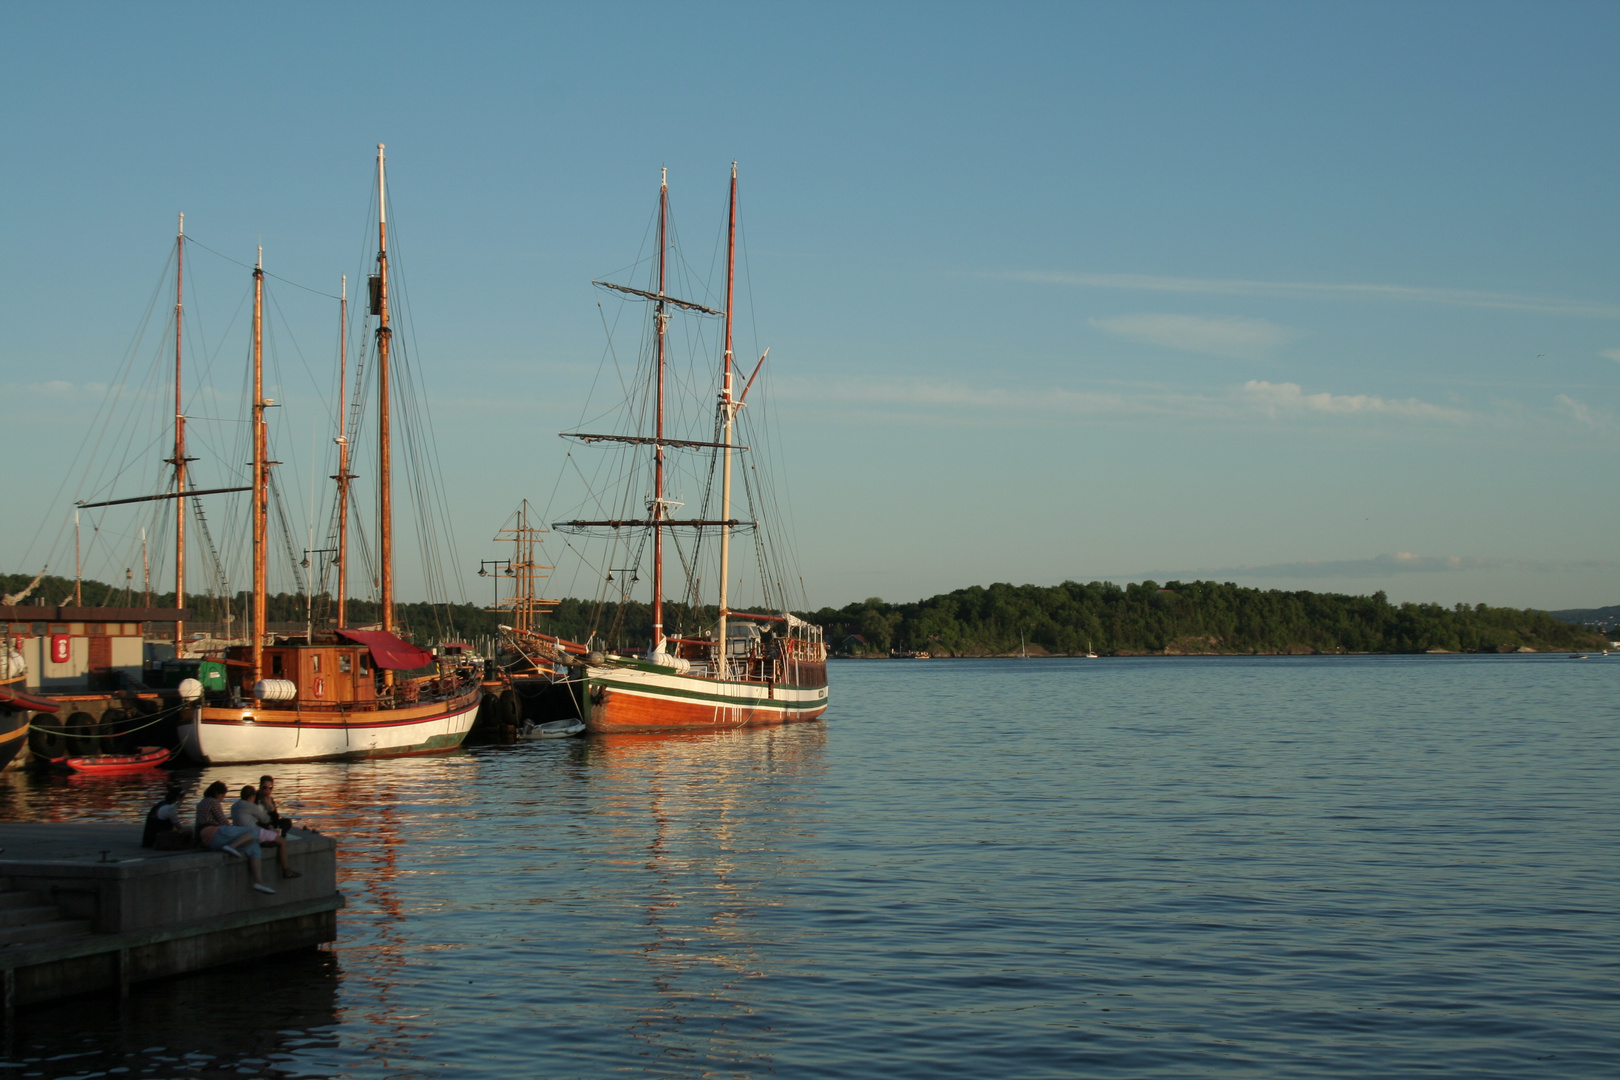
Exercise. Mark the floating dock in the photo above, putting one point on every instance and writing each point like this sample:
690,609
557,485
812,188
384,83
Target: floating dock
84,908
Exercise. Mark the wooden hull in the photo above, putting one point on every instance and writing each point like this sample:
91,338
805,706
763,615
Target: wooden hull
13,734
645,698
226,736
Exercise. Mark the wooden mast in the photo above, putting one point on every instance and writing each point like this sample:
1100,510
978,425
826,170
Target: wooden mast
662,319
179,459
729,411
343,476
385,495
261,474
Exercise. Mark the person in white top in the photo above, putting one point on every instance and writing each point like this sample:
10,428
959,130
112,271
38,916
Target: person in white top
249,814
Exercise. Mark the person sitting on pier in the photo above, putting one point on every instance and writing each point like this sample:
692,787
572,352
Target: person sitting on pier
163,829
248,814
215,832
267,799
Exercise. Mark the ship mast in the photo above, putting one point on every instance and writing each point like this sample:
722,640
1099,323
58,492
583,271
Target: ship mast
179,460
385,495
343,476
261,474
662,320
728,411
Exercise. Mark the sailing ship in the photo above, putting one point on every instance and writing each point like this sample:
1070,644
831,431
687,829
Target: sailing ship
751,667
341,694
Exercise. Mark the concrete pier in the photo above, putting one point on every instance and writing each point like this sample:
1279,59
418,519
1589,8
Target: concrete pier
85,908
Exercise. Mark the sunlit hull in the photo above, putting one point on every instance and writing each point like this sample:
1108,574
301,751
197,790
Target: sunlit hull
226,736
637,699
13,734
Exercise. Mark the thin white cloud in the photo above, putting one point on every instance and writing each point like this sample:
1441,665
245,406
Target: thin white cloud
1544,305
1277,401
1282,399
54,388
1612,354
1254,401
1229,336
928,393
1578,412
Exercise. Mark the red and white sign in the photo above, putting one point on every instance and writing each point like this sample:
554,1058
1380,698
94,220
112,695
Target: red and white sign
61,648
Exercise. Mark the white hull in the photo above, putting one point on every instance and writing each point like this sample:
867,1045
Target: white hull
238,736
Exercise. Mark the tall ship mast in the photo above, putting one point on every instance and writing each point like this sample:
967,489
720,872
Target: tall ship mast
744,667
343,693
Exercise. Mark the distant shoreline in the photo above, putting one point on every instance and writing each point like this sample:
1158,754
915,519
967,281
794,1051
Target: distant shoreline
1198,655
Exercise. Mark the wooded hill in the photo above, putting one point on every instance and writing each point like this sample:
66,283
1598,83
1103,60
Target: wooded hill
1183,618
1139,619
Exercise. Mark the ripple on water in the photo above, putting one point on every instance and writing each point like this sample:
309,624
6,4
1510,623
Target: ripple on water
1225,867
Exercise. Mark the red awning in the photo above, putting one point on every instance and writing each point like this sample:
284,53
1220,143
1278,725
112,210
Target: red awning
16,699
387,651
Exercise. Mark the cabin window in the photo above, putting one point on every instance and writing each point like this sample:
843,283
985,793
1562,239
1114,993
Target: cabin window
344,661
96,628
364,667
315,662
59,628
275,665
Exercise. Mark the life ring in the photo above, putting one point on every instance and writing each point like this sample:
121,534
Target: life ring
320,686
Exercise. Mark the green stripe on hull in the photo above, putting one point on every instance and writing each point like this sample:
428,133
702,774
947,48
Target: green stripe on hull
654,690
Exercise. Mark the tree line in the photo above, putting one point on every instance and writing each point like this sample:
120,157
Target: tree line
1182,617
997,620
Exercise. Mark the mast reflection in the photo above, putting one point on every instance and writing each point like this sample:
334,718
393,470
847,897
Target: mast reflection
702,804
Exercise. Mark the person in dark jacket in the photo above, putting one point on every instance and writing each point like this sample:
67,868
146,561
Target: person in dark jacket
163,829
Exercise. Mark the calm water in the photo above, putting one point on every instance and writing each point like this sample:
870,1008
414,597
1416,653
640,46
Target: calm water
1121,868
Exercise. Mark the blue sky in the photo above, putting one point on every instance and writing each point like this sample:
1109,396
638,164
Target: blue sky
1303,296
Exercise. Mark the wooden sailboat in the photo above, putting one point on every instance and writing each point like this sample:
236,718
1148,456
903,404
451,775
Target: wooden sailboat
336,695
751,668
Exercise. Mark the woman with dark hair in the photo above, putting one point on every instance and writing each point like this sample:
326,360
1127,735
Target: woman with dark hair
267,799
216,833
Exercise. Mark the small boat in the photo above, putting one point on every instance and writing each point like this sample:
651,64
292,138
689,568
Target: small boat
555,729
145,757
1090,655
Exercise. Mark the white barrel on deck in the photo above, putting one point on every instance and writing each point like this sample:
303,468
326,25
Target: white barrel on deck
275,690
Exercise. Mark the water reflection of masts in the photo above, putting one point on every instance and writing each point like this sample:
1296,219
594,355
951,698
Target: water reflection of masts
655,772
369,820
